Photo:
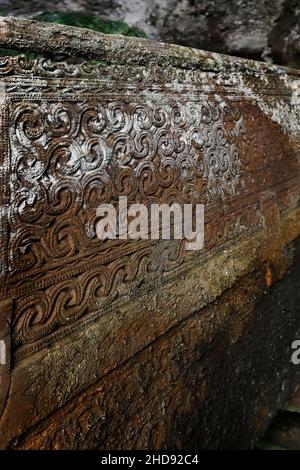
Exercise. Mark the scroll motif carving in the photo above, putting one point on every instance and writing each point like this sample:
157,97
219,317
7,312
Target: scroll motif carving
84,135
71,157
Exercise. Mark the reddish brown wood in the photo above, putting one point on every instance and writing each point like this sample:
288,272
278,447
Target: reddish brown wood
141,344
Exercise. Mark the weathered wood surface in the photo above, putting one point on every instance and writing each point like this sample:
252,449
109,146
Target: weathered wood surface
142,344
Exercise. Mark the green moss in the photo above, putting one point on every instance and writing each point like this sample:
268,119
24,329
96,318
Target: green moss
95,23
4,11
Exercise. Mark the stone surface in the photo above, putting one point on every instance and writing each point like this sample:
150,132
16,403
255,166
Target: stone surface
284,432
140,344
293,404
265,30
211,382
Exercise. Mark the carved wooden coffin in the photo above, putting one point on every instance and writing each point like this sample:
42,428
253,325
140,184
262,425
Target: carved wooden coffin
143,344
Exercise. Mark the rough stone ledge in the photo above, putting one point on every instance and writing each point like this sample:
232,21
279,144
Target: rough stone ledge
71,41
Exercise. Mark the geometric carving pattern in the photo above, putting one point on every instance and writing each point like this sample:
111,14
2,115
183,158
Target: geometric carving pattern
84,135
